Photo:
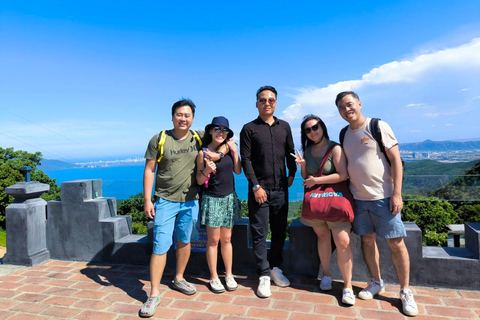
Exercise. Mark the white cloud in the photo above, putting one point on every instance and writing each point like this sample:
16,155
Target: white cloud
431,115
465,89
464,57
449,124
416,105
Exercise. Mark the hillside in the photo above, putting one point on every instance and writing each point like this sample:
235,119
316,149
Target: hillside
432,167
427,176
466,186
48,164
439,146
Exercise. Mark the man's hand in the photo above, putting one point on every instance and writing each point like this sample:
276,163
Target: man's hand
290,181
149,209
396,204
260,195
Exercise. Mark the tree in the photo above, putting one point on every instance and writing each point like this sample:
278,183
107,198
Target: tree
432,216
11,162
8,177
133,206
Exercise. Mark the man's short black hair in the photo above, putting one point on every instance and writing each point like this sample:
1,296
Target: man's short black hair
184,103
345,93
270,88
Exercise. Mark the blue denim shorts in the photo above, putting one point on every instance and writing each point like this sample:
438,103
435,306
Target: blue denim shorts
170,215
376,217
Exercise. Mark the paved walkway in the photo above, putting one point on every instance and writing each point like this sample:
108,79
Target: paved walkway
78,290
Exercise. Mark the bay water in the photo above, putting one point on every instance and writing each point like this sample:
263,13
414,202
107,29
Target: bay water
122,182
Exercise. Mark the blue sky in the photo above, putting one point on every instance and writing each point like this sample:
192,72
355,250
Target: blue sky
95,80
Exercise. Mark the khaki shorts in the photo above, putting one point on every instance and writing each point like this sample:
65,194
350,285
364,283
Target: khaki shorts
339,225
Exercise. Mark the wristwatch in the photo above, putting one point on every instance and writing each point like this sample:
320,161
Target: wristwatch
256,187
221,154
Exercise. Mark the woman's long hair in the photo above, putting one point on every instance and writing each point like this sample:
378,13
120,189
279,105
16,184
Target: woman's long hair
306,142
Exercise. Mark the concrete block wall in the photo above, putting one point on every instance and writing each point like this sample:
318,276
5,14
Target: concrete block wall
84,226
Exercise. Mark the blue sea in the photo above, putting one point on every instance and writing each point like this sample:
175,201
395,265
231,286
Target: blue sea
122,182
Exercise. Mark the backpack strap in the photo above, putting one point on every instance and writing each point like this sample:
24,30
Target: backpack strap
196,136
377,135
162,136
341,136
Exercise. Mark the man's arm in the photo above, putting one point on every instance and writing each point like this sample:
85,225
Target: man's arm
396,202
246,154
290,149
148,179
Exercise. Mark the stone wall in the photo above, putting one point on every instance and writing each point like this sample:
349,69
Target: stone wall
84,226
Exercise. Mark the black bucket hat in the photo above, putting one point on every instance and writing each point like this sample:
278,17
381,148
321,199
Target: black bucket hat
219,121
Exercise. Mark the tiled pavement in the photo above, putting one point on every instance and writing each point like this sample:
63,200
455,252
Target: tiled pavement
77,290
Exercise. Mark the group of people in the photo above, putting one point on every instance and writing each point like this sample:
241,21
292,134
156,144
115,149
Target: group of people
190,159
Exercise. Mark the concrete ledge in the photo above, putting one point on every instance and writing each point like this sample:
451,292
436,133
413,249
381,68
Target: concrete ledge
472,238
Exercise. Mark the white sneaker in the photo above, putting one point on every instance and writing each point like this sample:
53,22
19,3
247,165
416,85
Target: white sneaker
230,283
216,286
263,290
409,306
326,283
348,297
374,288
278,278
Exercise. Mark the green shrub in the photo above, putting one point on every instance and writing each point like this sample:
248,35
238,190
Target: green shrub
432,216
3,238
139,228
432,238
133,206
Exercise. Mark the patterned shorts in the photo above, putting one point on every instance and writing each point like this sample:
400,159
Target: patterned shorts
220,211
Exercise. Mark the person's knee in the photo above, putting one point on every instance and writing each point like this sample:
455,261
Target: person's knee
323,235
397,245
181,245
369,239
226,240
213,241
342,244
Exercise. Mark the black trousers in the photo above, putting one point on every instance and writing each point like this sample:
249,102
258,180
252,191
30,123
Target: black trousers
275,212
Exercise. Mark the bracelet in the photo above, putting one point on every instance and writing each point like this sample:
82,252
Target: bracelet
203,174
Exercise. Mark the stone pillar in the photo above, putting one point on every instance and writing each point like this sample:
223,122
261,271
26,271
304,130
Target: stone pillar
26,224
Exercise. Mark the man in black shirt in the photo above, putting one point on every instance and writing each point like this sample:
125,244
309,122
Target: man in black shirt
265,144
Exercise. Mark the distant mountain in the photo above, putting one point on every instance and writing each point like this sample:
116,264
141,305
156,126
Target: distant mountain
48,164
445,146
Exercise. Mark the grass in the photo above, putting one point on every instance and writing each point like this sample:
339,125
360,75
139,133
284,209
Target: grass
3,238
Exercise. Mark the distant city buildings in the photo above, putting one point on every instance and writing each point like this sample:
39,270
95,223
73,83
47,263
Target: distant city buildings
448,156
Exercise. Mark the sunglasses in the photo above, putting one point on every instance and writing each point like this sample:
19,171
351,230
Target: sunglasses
312,128
220,130
270,100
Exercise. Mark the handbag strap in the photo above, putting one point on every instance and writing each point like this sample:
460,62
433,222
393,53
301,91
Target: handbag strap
325,159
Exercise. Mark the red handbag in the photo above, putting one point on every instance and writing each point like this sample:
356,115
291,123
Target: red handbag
328,202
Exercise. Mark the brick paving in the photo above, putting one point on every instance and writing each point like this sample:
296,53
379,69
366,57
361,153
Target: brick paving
78,290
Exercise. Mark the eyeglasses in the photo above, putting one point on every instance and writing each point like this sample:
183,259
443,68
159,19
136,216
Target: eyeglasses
270,100
312,128
220,130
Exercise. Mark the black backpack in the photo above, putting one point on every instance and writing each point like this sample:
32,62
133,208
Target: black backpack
377,135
